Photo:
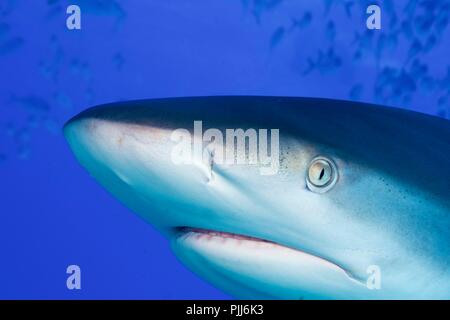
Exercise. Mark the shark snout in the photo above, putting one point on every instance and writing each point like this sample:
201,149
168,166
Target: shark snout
134,160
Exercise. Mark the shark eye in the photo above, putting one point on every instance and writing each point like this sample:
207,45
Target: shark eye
322,175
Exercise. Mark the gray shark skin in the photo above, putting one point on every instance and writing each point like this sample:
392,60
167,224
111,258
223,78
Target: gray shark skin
274,236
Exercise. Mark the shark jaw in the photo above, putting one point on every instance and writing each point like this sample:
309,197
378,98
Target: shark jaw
243,264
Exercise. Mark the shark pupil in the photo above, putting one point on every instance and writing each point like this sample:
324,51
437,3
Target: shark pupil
321,174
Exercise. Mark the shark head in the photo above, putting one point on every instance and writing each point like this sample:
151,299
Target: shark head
290,198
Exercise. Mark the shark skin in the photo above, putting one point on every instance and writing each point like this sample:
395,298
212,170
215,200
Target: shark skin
273,236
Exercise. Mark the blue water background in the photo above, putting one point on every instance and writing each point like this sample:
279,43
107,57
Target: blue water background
53,214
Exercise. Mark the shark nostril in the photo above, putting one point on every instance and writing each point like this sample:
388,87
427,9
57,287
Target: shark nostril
210,164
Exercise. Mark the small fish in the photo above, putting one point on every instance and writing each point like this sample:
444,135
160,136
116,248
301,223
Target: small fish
406,29
418,69
7,6
394,85
393,20
10,129
328,4
75,66
51,126
364,42
442,101
33,121
427,84
22,135
330,31
430,43
48,70
356,92
118,60
429,5
423,23
32,103
23,152
442,113
445,82
406,82
54,9
303,22
442,19
415,48
11,45
410,7
258,7
81,68
277,36
89,95
386,43
63,100
388,6
325,62
86,72
4,29
348,8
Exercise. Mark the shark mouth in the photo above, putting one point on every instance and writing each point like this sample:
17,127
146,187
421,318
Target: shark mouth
210,234
226,238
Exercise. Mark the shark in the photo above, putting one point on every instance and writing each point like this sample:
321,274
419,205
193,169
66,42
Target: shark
330,199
